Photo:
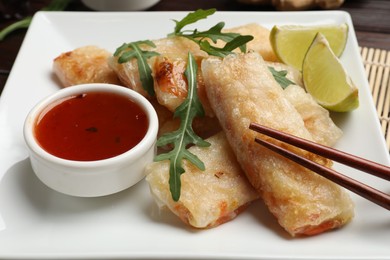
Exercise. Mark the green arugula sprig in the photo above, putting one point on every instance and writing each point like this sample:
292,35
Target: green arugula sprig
280,77
191,18
128,51
55,5
232,40
185,135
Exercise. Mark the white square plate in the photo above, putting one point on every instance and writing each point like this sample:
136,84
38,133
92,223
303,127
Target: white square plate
36,222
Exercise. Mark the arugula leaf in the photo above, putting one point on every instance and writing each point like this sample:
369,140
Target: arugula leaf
232,40
193,18
55,5
214,33
280,77
212,50
128,51
239,41
185,135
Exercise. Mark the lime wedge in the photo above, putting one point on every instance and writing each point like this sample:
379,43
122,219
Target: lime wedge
290,42
325,78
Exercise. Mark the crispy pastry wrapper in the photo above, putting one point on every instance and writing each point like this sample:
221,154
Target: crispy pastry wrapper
86,64
241,90
208,198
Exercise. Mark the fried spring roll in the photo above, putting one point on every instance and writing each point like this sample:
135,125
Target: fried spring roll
241,90
208,198
87,64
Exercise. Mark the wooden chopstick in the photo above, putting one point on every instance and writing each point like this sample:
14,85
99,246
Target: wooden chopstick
359,188
356,162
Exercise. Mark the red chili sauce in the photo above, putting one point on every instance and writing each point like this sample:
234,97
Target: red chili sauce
91,126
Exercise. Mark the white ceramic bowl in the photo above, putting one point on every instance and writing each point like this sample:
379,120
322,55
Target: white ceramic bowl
92,178
119,5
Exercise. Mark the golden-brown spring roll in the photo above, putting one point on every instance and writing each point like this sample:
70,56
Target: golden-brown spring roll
87,64
208,198
241,90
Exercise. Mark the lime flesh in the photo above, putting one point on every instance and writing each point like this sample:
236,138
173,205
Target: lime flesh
325,78
291,42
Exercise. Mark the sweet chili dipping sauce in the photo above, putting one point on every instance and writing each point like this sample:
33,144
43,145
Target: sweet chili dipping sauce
91,126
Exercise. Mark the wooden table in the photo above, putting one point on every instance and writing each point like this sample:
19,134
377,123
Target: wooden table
371,20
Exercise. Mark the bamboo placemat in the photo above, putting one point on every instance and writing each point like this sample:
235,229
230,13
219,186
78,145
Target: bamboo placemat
377,65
